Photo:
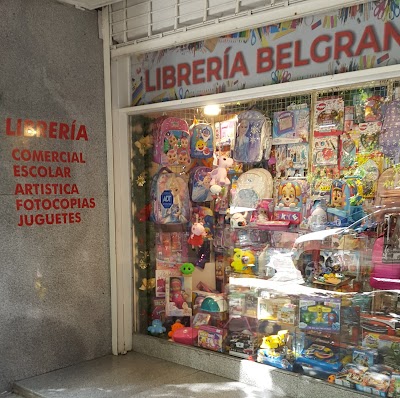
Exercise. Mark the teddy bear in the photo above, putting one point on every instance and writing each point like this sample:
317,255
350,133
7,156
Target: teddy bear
219,176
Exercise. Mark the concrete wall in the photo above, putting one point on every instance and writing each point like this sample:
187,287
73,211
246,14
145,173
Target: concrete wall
54,281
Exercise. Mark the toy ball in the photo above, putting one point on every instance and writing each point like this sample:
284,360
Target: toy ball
186,268
331,378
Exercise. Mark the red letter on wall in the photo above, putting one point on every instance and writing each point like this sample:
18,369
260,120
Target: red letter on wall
281,56
168,77
346,47
264,59
390,32
313,52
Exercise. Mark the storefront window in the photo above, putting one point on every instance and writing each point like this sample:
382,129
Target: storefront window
270,232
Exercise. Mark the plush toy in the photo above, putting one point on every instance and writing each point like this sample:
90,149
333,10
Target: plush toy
243,261
187,268
177,325
238,220
156,327
198,234
219,176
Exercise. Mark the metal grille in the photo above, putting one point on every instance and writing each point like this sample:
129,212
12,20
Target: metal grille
134,21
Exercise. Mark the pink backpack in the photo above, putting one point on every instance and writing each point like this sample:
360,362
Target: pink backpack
171,142
384,276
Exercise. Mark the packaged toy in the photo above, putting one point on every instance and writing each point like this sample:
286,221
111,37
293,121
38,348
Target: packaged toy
253,137
170,198
322,315
199,184
171,142
243,344
319,360
291,126
251,187
389,140
201,141
339,204
211,338
179,295
225,132
325,151
328,117
291,200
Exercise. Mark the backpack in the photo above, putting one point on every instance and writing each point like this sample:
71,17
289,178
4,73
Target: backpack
251,187
171,142
388,190
383,276
199,184
201,141
291,199
390,137
253,137
170,198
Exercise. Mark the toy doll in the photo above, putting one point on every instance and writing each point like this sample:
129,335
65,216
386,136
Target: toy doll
177,294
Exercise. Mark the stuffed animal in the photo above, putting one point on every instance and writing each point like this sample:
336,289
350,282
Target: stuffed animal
198,234
238,220
219,176
156,327
243,261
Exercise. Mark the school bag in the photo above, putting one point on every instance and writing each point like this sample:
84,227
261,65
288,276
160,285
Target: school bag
383,276
292,195
171,140
199,184
251,187
201,141
390,136
253,137
170,200
388,189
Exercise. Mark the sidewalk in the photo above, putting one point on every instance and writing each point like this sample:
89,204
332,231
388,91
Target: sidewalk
134,375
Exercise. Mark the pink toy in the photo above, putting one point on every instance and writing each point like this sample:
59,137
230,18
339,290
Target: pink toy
198,234
219,176
177,294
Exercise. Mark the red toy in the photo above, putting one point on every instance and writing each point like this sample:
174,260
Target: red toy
198,234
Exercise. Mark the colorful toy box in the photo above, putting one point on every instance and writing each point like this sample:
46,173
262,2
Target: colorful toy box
320,314
212,338
319,361
243,344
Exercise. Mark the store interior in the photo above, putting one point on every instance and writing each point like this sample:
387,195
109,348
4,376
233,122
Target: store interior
269,231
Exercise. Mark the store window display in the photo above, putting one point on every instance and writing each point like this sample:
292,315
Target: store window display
294,266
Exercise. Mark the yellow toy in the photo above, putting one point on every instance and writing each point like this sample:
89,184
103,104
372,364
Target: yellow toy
320,310
275,340
243,261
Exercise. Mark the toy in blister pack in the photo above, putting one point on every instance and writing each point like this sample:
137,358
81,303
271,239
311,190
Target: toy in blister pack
369,168
325,151
251,187
170,198
319,313
179,295
253,137
171,142
369,136
291,126
347,151
328,117
389,140
201,141
388,192
291,198
373,108
199,184
225,132
298,159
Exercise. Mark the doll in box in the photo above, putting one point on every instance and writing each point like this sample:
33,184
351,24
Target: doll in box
177,295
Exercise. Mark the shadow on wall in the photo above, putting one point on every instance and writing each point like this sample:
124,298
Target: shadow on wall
34,346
